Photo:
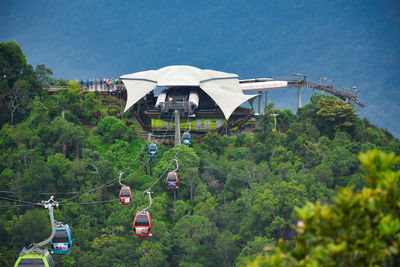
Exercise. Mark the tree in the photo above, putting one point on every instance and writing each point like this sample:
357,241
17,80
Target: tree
188,165
254,247
43,74
214,142
112,128
194,239
340,113
358,229
17,96
151,254
273,208
32,227
13,67
226,247
67,134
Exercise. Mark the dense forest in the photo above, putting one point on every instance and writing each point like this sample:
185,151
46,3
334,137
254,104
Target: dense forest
239,194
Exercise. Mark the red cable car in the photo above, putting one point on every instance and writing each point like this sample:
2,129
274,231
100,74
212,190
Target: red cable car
172,180
125,195
142,223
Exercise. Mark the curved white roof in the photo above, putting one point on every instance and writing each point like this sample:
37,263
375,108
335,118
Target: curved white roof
222,87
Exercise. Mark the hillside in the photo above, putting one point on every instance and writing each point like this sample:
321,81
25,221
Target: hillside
236,195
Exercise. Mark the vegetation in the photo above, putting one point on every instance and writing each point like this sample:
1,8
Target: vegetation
237,194
358,229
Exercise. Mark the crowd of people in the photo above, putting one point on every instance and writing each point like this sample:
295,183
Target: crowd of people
102,84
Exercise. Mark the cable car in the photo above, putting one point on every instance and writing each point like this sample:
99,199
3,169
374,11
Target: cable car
172,180
62,240
125,195
186,139
142,224
38,257
153,150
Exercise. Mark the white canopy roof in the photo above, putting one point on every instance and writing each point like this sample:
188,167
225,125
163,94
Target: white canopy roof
222,87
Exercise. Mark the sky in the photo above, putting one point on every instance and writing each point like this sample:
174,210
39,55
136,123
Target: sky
351,42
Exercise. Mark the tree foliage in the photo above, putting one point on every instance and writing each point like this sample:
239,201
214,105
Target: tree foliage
237,194
358,229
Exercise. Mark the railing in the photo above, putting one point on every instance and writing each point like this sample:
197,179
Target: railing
102,87
89,88
330,89
54,88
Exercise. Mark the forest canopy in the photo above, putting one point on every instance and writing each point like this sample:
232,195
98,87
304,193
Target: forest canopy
238,194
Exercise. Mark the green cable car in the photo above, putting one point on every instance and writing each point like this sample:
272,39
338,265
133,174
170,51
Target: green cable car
34,257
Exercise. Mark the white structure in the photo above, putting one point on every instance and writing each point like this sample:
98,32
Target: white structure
194,99
259,85
222,87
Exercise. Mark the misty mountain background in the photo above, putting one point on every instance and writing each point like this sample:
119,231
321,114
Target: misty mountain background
351,42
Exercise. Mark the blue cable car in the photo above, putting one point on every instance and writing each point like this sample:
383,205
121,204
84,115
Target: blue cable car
153,150
62,240
186,139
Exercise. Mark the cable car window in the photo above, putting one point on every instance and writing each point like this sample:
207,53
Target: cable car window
32,262
50,260
153,148
125,193
142,220
61,236
171,178
185,137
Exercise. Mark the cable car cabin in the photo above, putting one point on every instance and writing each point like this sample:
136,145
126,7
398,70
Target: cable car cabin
35,259
125,195
142,224
186,139
153,150
62,240
172,180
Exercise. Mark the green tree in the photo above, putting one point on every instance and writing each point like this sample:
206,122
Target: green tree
226,247
340,113
15,96
67,134
18,98
151,254
253,248
188,165
358,229
43,74
32,227
194,239
112,128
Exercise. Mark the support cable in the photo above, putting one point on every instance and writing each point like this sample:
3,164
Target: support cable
162,175
50,193
110,183
20,201
51,203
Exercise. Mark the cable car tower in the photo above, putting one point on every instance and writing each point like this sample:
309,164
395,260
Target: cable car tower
179,104
35,248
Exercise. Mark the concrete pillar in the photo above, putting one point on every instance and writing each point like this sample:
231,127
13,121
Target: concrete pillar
266,99
298,97
260,111
177,128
